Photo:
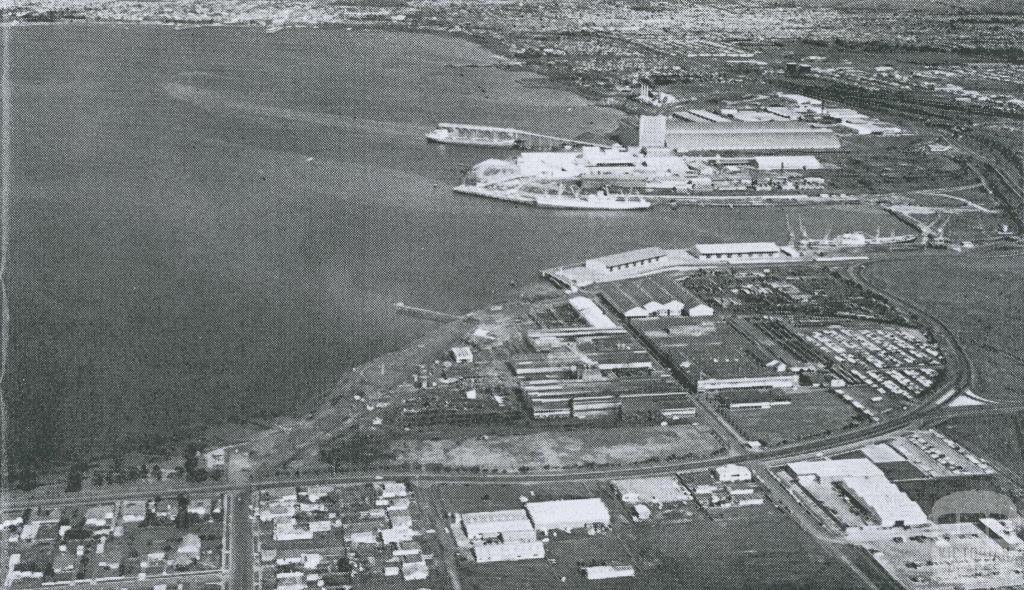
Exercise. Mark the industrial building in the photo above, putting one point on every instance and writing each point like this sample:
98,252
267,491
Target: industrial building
733,473
595,373
492,524
840,483
762,398
658,295
659,491
609,571
568,515
885,502
591,313
1005,532
734,136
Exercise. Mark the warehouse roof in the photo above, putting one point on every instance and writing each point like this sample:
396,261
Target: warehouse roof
555,513
630,256
890,504
659,490
496,521
591,313
675,126
835,469
737,248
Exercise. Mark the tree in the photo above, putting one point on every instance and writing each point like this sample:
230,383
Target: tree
75,477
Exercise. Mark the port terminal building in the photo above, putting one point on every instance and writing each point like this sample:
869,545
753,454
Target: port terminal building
659,131
649,261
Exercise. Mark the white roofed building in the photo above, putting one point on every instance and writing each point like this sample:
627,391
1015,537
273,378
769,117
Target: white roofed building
733,473
491,552
591,313
737,250
835,469
495,523
885,502
609,571
651,490
568,515
627,260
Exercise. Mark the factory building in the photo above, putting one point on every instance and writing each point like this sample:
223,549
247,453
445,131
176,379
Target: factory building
885,502
655,296
707,383
1005,532
865,486
734,136
492,524
659,491
568,515
591,313
492,552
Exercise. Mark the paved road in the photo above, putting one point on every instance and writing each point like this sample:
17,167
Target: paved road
241,541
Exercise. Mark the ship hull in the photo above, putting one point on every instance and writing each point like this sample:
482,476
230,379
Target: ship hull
597,205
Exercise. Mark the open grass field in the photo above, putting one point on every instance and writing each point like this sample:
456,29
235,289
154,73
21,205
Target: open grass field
978,297
811,413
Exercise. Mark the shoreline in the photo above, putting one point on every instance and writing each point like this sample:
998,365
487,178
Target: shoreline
56,471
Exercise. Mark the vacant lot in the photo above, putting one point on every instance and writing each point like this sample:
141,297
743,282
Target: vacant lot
622,445
811,413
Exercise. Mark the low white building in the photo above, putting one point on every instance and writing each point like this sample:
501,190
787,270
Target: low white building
733,473
608,572
492,552
651,490
462,354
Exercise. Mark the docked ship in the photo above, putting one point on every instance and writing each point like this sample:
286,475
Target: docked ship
497,193
472,136
600,200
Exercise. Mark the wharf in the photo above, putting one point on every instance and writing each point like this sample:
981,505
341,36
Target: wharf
426,314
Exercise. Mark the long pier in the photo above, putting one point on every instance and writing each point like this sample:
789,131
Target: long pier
426,314
485,136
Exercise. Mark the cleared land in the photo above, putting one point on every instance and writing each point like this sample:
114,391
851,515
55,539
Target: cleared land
559,449
811,413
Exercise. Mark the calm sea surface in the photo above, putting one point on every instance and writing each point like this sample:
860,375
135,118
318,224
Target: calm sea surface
213,224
